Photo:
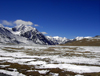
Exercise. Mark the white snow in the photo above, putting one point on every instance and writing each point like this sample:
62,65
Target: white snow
16,33
37,63
74,68
43,71
14,73
4,66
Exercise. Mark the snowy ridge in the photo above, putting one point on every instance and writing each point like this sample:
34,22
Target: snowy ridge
58,40
87,37
23,28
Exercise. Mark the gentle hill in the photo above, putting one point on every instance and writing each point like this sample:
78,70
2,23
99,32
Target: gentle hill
84,42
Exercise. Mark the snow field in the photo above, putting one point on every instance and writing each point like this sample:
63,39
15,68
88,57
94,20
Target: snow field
76,59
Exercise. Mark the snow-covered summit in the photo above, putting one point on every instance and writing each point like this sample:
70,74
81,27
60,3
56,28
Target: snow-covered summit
23,28
57,39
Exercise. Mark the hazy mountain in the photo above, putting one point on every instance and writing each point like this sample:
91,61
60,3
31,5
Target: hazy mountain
58,40
80,38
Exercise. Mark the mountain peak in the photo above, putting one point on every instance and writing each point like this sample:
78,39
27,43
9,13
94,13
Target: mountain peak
23,28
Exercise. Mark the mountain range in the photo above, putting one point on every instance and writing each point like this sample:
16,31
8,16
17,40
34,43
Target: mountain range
57,39
84,41
29,35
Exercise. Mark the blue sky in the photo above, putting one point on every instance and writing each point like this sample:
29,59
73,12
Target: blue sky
64,18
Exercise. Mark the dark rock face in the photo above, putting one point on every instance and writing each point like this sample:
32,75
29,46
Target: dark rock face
14,29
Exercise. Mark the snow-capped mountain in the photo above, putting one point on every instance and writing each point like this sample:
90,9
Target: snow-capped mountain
58,40
80,38
32,34
23,34
85,41
6,36
22,29
97,37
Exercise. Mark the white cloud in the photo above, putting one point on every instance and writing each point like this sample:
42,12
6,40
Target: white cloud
1,25
18,22
43,32
36,25
5,22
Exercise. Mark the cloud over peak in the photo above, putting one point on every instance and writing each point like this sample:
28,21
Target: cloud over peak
5,22
44,33
18,22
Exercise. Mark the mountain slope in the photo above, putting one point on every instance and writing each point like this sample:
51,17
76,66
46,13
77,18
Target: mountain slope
6,36
80,38
84,42
23,34
31,34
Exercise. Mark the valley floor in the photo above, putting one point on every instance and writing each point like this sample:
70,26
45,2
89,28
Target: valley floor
39,60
